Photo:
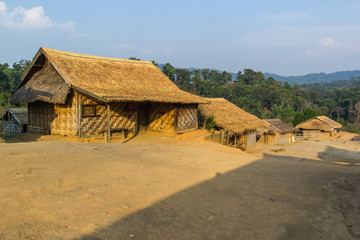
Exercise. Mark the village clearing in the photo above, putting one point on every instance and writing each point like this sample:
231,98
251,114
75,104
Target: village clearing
157,187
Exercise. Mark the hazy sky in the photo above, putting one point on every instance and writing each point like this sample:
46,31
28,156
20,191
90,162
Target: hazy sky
283,37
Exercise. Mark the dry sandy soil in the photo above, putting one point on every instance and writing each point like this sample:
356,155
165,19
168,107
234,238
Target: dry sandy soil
157,187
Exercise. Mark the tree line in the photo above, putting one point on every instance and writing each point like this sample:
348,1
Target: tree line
251,91
268,98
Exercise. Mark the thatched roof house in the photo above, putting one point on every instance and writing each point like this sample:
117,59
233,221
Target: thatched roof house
277,125
318,126
280,132
14,121
83,94
53,73
230,117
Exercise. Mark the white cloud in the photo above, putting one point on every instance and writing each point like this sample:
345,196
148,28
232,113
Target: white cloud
32,18
327,45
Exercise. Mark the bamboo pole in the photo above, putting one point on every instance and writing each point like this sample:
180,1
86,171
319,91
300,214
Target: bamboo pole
108,123
78,98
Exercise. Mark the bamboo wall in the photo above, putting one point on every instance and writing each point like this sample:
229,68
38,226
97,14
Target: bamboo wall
187,118
121,118
309,134
162,117
12,127
65,120
41,115
250,139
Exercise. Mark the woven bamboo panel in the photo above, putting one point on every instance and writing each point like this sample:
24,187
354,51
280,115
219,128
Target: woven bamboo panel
93,125
120,118
11,128
250,139
41,114
65,121
162,117
187,118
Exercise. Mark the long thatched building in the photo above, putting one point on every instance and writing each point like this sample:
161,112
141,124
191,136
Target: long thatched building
243,126
318,127
84,95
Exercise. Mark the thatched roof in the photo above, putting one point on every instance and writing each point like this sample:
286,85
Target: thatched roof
230,117
19,114
321,123
105,79
330,122
279,125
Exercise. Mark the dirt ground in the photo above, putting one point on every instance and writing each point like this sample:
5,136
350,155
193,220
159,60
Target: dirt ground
158,187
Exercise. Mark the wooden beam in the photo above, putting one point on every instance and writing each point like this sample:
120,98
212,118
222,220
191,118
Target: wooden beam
108,123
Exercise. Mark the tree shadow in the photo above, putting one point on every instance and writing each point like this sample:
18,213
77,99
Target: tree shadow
276,197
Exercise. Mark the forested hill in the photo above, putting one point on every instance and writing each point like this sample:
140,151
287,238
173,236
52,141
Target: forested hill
300,80
316,77
354,82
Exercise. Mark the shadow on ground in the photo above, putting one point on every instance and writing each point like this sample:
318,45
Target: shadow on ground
336,155
272,198
24,137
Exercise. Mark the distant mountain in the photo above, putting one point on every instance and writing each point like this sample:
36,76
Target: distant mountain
316,77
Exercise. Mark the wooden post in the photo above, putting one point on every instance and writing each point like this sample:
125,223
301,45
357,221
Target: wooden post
108,123
176,119
227,138
197,119
235,139
9,122
78,98
221,136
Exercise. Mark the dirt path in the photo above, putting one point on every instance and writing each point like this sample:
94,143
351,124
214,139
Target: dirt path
165,188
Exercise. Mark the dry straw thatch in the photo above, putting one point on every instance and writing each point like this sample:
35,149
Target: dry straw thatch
230,117
106,79
280,126
321,123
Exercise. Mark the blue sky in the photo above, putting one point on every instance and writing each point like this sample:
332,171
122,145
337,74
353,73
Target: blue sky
283,37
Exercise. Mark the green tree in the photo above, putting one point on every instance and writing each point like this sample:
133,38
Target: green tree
169,71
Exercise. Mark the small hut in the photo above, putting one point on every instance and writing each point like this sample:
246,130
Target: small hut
237,127
84,95
280,132
14,121
318,127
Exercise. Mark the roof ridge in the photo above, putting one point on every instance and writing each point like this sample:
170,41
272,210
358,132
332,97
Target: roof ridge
80,55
